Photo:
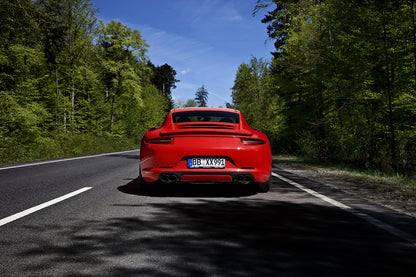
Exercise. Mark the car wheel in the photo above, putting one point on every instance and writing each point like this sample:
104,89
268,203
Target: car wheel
264,187
143,186
140,177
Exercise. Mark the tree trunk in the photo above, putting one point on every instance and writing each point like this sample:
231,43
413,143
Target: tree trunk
112,113
58,123
389,73
414,35
72,112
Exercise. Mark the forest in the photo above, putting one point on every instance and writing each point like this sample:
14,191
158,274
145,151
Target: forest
71,85
340,86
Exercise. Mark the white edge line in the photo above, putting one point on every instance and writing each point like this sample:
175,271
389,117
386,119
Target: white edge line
67,159
368,218
14,217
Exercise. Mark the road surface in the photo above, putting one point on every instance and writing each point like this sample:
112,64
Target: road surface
90,217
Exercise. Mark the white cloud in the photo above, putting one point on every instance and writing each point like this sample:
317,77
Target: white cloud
166,45
217,11
236,18
186,71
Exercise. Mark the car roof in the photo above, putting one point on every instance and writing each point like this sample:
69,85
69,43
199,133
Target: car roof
204,109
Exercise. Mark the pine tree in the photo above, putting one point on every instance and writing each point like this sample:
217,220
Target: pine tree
201,97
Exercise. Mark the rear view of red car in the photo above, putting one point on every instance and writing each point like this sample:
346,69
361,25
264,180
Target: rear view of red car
206,145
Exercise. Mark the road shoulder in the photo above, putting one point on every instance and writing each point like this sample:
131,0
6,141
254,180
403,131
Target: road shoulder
377,191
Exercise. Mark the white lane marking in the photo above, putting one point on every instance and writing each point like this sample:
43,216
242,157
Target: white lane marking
14,217
314,193
68,159
368,218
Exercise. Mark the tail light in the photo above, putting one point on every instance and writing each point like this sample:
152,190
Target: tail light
159,140
251,141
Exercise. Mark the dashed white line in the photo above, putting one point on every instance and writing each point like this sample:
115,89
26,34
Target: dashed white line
65,160
14,217
387,227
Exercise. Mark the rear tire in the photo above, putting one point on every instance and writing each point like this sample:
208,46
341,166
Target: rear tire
140,178
145,188
142,182
264,187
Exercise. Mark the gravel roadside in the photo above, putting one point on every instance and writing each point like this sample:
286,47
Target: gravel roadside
388,192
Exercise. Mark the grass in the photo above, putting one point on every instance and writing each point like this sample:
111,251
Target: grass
345,170
64,146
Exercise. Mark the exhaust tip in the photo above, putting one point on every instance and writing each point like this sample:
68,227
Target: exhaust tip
172,178
244,179
169,178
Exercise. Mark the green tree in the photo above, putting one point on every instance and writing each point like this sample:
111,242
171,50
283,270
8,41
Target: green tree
123,53
22,77
153,111
163,78
344,71
54,30
68,87
279,21
254,96
190,103
201,97
80,21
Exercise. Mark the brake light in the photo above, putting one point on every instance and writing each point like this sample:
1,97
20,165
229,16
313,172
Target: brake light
159,140
250,141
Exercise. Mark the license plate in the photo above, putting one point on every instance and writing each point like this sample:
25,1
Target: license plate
206,163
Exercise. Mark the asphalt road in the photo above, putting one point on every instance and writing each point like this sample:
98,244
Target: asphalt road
114,227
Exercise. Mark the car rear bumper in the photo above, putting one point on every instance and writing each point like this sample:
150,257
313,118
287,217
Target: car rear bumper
236,176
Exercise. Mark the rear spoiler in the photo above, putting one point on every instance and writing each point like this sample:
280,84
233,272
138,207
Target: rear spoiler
207,131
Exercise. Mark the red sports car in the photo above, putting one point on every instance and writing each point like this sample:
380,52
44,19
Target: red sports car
206,145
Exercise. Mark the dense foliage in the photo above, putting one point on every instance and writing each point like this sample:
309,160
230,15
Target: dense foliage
340,86
70,85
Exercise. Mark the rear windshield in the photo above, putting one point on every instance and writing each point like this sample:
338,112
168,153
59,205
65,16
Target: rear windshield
205,116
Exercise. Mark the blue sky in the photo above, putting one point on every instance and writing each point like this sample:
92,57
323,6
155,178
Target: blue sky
203,40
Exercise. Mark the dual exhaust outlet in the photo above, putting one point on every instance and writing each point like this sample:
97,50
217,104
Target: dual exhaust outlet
169,178
243,179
